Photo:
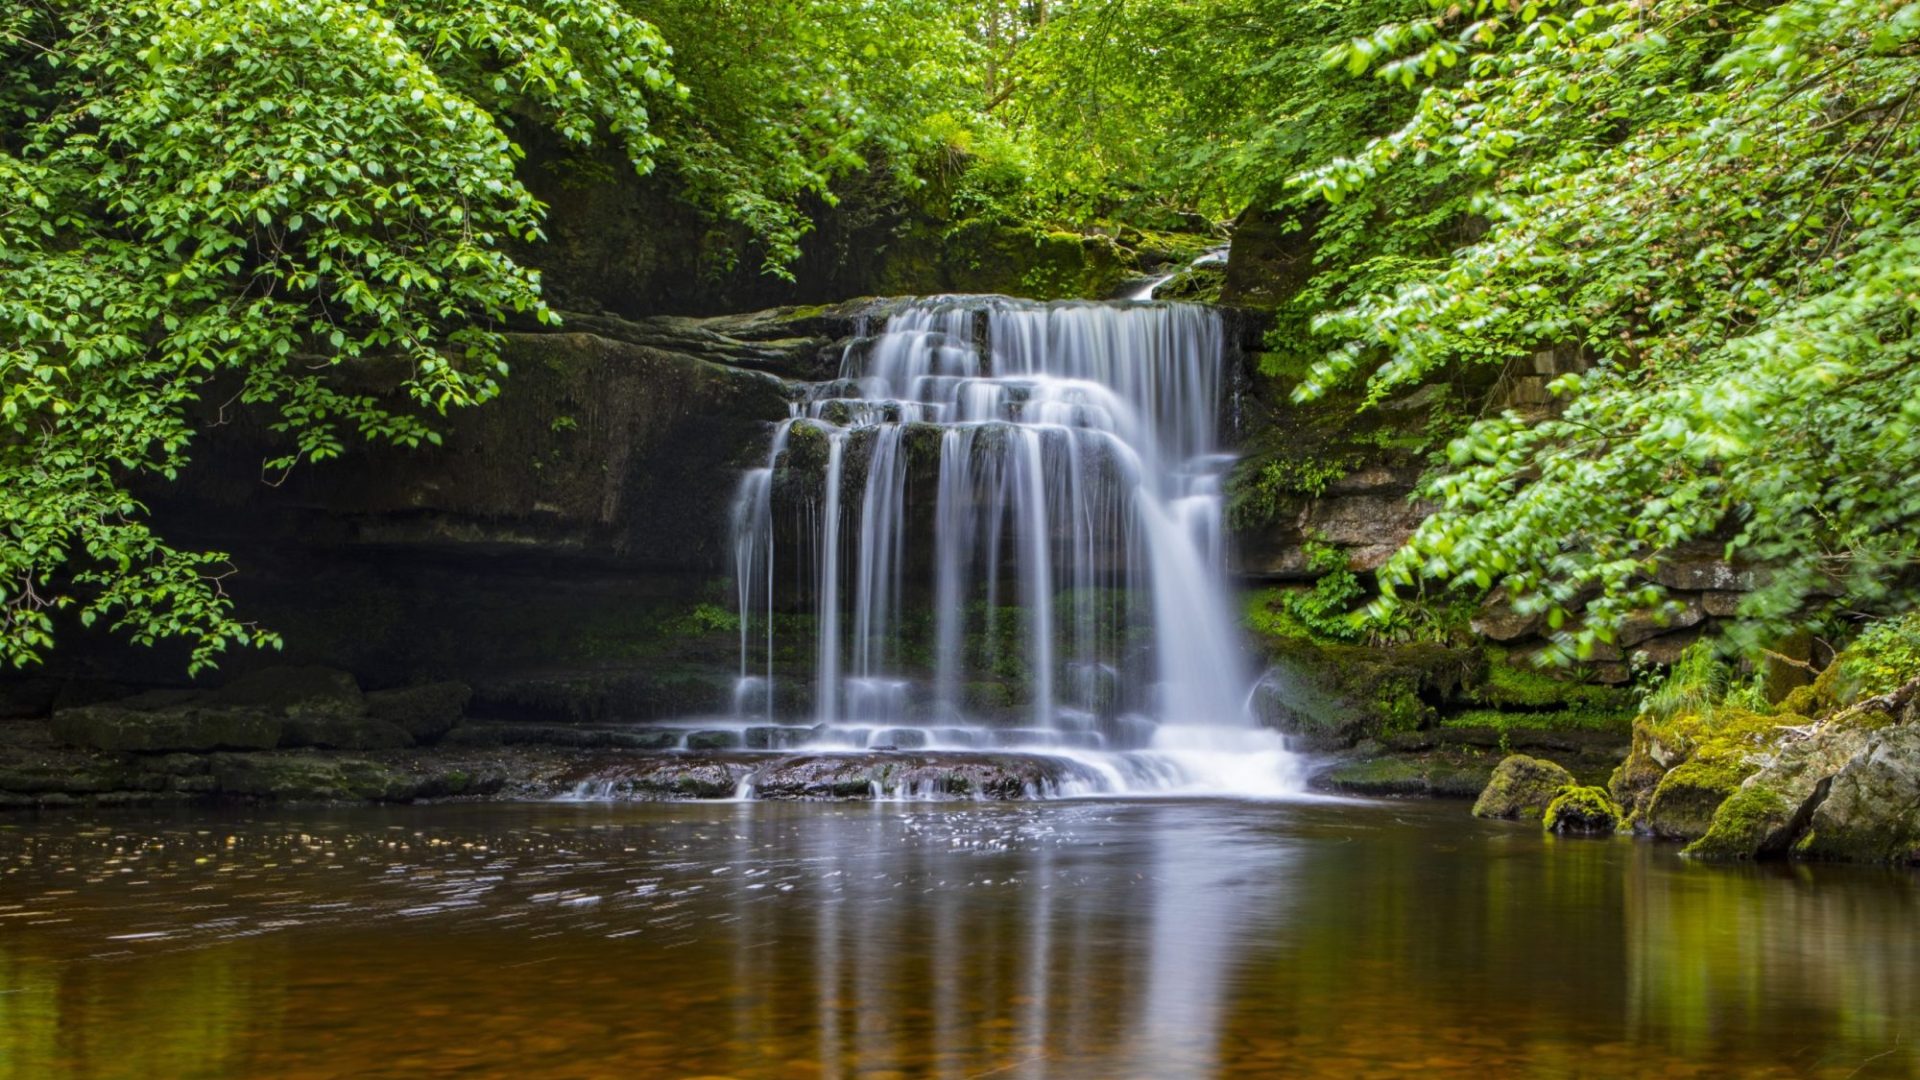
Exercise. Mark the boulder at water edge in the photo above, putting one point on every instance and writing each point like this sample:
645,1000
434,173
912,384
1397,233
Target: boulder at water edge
1521,787
1582,811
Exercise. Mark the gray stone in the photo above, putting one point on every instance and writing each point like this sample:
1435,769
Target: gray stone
1641,625
1872,809
1666,648
1770,809
1721,605
1497,619
1697,567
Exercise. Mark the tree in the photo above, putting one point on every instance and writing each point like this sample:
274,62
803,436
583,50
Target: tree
1715,203
261,193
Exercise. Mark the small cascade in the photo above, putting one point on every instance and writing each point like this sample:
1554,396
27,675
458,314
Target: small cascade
1002,522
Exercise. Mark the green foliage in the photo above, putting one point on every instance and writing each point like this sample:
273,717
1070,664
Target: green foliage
1715,204
1326,608
1255,495
1579,718
1695,683
267,195
1884,656
785,100
1136,104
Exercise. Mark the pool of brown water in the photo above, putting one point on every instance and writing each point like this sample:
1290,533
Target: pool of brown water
1071,939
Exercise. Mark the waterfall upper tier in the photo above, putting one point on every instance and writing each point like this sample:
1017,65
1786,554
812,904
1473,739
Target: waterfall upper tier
1003,516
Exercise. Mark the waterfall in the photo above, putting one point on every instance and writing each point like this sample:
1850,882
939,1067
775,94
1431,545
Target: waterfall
1004,521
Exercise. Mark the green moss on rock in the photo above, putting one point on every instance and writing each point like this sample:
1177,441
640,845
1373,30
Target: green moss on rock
1521,787
1582,811
1741,824
1682,803
1442,774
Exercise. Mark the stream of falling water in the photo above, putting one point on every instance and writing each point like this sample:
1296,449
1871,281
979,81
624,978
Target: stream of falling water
1003,523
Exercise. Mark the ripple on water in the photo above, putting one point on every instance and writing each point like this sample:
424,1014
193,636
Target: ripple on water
1068,939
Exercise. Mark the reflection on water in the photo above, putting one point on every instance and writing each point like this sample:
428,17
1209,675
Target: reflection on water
1062,940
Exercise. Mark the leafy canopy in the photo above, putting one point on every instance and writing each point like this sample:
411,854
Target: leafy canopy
1717,205
257,195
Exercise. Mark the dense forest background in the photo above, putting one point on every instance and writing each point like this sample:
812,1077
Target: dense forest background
1704,210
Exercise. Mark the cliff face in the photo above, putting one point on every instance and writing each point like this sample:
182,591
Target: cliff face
563,551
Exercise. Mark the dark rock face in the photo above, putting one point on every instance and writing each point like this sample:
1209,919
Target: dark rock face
636,246
192,729
343,733
1269,260
1521,787
311,693
288,707
425,713
549,554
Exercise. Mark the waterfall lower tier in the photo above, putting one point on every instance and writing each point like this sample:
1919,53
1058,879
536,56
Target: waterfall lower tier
1000,525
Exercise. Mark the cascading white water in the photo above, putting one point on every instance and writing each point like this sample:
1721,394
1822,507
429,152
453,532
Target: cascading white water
1006,524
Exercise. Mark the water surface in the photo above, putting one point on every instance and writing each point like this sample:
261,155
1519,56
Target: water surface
1075,939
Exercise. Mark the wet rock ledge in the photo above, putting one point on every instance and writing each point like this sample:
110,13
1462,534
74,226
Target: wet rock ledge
312,735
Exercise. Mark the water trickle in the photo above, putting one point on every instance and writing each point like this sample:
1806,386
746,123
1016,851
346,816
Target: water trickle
1002,521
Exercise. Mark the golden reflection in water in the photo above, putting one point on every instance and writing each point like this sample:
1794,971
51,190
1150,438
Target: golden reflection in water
1064,940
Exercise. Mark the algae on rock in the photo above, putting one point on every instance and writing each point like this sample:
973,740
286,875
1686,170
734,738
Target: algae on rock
1522,787
1582,811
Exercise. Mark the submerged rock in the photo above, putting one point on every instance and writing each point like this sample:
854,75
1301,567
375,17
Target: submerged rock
1522,787
1582,811
984,776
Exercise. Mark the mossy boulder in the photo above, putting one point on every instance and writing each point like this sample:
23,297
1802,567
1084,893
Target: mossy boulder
1771,808
1636,778
714,740
310,778
1521,787
1682,803
1582,811
1691,761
